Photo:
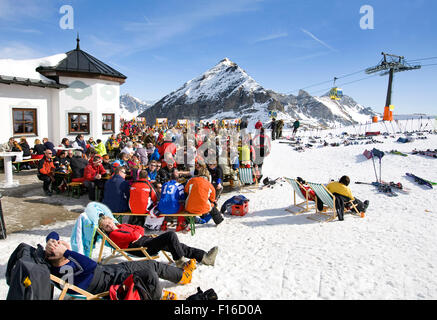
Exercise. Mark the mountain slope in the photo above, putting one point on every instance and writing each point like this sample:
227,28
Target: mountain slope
131,107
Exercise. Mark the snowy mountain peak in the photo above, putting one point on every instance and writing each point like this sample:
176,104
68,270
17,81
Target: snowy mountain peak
217,83
131,107
227,62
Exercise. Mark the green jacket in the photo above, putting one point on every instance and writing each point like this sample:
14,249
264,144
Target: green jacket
101,149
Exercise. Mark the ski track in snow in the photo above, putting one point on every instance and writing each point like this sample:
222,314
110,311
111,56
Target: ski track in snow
272,254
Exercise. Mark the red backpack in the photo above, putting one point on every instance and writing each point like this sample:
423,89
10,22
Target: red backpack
132,289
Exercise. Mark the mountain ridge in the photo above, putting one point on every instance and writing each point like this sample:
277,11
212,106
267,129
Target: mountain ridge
228,91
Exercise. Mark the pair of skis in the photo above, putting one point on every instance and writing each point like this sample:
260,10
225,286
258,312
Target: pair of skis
387,187
421,181
398,153
428,153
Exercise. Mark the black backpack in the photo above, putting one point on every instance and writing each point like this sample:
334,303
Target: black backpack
28,274
200,295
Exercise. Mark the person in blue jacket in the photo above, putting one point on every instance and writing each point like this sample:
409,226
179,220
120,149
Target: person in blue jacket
96,278
216,173
152,170
117,189
49,145
172,200
172,195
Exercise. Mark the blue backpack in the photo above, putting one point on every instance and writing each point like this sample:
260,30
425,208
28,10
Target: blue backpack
227,205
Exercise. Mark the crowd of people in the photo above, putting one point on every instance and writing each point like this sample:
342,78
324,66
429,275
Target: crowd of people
152,170
143,168
159,170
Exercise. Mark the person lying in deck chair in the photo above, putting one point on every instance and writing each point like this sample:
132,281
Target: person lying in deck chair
96,278
132,236
343,193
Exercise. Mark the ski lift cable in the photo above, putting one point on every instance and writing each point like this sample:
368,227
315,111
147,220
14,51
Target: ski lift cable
347,83
329,81
422,59
356,72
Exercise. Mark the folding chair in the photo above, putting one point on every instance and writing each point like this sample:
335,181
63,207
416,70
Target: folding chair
64,286
248,180
297,190
94,211
328,200
124,252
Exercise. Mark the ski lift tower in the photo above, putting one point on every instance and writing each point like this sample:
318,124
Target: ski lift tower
391,64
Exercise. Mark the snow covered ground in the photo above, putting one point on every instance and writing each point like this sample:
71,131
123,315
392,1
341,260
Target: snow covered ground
272,254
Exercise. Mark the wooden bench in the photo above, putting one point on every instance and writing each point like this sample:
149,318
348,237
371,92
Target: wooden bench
75,188
189,216
18,163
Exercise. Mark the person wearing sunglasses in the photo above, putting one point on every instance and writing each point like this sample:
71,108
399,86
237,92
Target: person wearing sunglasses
46,170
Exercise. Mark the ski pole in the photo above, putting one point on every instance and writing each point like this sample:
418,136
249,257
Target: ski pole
374,167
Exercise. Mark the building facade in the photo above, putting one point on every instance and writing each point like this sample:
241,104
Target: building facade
59,97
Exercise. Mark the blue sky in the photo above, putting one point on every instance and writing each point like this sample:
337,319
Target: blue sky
284,45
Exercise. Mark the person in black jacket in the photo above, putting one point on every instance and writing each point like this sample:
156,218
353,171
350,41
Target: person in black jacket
38,148
106,164
25,147
61,162
216,173
49,145
164,174
77,165
26,152
272,126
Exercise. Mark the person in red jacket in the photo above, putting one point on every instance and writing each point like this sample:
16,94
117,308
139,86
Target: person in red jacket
93,174
142,198
258,125
167,150
131,236
46,171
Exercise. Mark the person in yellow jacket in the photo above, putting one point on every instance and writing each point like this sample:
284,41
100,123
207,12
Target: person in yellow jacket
344,194
100,148
341,187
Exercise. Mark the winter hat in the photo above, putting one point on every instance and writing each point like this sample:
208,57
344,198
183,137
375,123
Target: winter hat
52,235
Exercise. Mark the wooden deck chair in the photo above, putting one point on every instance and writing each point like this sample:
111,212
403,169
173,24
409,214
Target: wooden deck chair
124,252
94,211
248,180
81,294
297,190
328,200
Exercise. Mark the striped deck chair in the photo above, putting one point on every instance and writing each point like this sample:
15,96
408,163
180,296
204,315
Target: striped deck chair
328,200
297,190
248,180
80,294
